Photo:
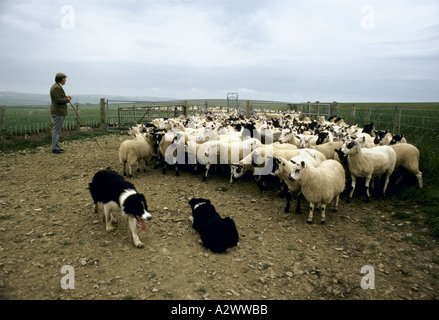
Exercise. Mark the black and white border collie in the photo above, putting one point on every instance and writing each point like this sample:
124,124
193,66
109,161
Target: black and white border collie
217,234
115,192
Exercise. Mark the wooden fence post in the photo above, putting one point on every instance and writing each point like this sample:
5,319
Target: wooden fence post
334,109
50,120
353,114
2,122
78,120
247,109
397,120
185,108
103,125
368,113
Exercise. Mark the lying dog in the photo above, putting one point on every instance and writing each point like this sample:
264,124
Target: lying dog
115,192
217,234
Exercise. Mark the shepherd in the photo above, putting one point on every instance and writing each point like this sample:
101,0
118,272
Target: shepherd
58,109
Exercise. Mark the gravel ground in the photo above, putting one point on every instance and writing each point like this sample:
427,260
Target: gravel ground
47,222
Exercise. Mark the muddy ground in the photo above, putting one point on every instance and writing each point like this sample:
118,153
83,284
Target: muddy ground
47,222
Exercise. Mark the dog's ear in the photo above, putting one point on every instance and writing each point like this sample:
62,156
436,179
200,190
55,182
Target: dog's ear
192,202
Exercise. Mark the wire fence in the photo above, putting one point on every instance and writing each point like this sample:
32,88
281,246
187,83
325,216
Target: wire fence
111,114
395,119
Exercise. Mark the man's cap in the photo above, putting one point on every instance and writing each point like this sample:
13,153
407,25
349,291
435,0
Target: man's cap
61,75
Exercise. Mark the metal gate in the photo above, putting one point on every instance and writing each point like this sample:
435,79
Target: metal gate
121,116
313,110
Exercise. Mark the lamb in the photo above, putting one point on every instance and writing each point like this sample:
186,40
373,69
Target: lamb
407,156
319,185
132,151
364,162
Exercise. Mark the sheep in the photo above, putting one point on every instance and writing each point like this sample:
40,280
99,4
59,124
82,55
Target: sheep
364,139
289,136
319,185
282,169
324,137
398,138
364,162
260,155
307,141
327,149
165,154
175,153
132,131
223,152
258,159
370,129
132,151
407,156
266,136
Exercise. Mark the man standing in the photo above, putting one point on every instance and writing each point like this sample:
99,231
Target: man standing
58,109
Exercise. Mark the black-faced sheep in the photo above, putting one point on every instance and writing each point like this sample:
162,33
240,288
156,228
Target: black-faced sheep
282,169
319,185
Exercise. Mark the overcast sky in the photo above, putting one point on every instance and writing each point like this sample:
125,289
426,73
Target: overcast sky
296,51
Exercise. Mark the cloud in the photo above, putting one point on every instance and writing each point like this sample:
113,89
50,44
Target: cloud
287,49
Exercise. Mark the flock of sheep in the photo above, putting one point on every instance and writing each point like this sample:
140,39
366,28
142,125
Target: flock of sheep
315,159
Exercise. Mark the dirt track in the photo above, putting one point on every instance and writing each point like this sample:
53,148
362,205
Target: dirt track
47,222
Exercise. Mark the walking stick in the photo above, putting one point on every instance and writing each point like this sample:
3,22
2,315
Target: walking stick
79,117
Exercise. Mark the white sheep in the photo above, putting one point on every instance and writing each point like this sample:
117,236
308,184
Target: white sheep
282,169
407,156
257,162
319,185
223,152
306,141
289,136
171,150
132,151
364,162
328,148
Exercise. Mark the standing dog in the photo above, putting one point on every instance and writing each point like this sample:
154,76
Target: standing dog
114,192
217,234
